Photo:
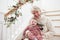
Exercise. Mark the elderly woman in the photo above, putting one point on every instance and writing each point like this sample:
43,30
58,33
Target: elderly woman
33,31
41,19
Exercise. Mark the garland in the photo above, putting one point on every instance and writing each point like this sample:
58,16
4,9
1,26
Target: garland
15,8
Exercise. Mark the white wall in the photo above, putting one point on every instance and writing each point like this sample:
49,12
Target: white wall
51,4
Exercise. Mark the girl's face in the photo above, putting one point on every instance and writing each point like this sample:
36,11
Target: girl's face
33,22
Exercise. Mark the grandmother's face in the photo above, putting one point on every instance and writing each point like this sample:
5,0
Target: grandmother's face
36,13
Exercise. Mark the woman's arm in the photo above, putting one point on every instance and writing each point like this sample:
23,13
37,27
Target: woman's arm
50,28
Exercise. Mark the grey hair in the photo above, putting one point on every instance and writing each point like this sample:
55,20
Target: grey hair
36,8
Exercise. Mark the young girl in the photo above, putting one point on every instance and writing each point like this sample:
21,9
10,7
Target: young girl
32,32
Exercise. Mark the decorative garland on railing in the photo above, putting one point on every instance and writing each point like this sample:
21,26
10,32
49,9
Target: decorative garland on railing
15,8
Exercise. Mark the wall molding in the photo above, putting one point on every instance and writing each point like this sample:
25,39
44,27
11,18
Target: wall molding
52,14
56,20
57,35
57,26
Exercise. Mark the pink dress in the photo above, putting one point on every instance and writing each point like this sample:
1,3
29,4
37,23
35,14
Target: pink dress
35,33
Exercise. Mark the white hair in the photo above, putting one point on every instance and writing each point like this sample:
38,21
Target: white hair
36,8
